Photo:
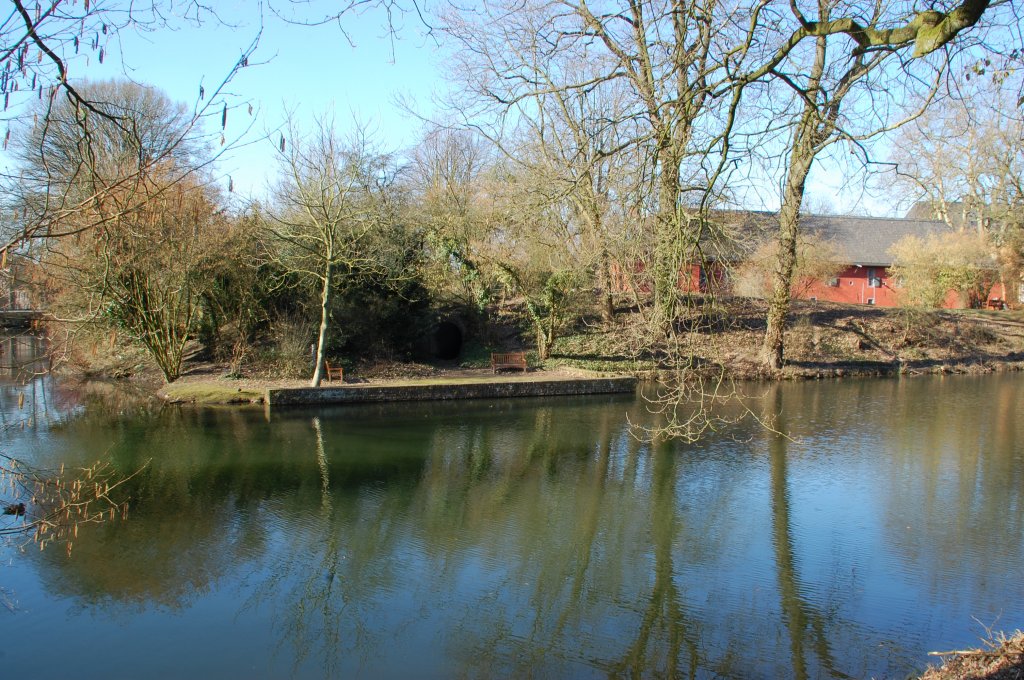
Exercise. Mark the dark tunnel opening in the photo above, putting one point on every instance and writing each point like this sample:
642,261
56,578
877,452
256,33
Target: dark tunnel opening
447,341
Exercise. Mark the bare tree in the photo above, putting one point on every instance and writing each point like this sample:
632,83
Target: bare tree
850,56
451,179
573,149
971,180
73,162
146,232
672,57
147,272
334,217
41,50
621,89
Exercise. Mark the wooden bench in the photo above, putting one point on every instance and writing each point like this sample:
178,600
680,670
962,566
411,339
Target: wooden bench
508,360
334,372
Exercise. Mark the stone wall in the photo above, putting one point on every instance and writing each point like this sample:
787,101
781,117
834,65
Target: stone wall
474,390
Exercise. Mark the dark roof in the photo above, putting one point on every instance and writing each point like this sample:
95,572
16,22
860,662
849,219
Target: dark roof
867,240
736,234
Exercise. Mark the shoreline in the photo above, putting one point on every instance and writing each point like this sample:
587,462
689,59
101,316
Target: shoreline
824,341
200,386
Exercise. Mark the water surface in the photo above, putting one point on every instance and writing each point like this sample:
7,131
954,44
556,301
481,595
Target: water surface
528,537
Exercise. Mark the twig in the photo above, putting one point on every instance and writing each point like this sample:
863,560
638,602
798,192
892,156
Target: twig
977,652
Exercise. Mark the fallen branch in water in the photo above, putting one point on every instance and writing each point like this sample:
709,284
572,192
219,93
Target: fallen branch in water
1002,660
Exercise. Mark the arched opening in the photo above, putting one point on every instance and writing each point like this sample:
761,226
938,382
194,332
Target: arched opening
447,341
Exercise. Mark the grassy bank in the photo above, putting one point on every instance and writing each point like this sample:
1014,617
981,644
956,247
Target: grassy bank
210,392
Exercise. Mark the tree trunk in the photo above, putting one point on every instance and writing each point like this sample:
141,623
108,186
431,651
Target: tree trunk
549,341
789,228
608,304
538,328
542,345
325,311
666,254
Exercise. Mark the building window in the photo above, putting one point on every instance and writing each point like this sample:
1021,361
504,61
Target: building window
834,281
870,301
873,280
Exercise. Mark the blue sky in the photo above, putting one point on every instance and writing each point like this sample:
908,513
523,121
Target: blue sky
312,71
352,75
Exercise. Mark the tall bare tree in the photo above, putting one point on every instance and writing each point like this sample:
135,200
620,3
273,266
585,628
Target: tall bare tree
75,160
593,86
972,180
850,56
334,216
573,148
451,177
45,52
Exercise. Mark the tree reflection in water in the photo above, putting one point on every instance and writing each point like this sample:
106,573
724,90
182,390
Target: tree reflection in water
540,538
803,622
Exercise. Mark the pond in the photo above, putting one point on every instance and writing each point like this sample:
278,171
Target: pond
527,537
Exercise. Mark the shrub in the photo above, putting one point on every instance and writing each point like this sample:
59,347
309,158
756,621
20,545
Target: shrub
816,260
928,269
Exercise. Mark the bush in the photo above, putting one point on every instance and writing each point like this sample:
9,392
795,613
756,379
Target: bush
816,260
291,339
930,268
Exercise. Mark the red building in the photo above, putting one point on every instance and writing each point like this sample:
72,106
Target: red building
863,244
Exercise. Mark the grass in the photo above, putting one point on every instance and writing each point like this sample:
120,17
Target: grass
208,393
599,365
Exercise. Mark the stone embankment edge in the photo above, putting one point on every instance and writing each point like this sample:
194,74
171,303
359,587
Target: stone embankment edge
882,369
448,391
